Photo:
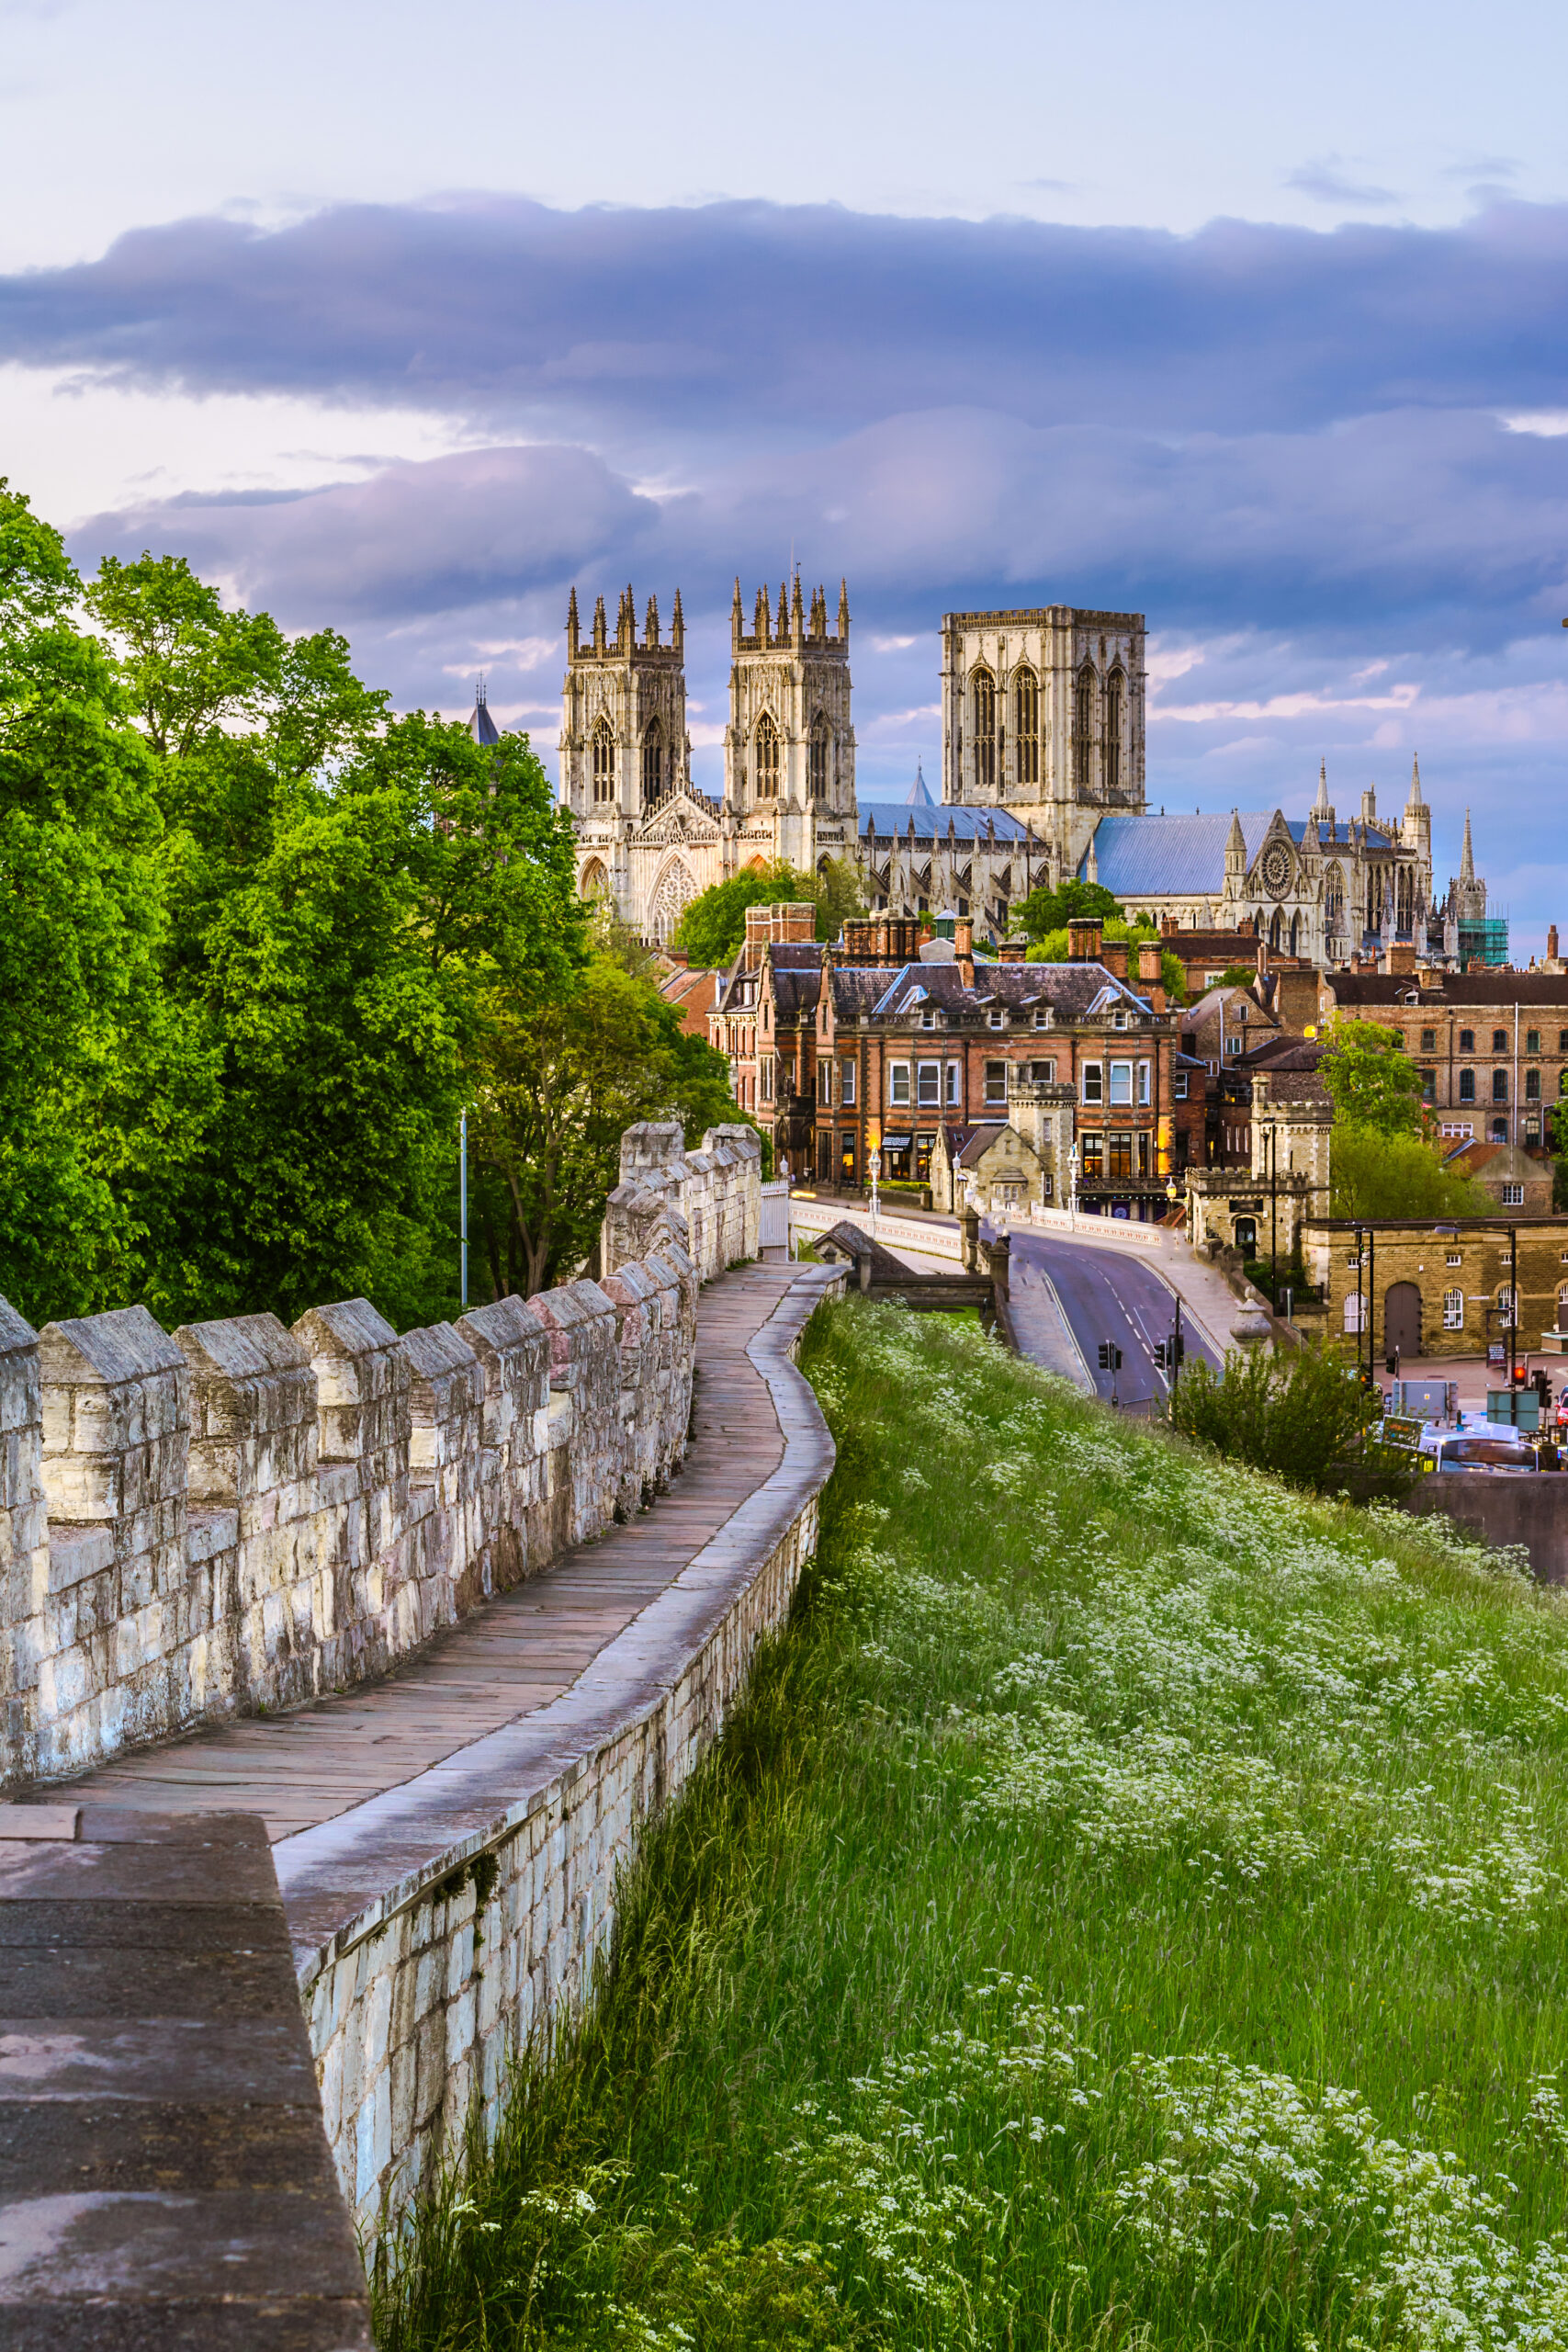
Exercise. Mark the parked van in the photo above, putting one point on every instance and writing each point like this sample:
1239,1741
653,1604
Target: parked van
1497,1449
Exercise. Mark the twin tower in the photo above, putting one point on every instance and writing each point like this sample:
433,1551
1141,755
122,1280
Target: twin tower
646,838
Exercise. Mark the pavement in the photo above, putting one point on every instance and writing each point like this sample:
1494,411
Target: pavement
1099,1296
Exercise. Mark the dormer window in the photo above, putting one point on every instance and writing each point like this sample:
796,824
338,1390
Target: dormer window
997,1020
1120,1018
928,1016
1043,1016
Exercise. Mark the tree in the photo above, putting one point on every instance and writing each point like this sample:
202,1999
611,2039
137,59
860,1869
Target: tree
712,930
1371,1082
186,665
1048,910
1055,947
836,895
561,1079
1375,1174
1301,1416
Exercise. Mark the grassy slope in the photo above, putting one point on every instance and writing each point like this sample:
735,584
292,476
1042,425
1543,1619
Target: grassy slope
1123,1873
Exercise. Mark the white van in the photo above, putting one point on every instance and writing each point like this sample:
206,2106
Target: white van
1497,1448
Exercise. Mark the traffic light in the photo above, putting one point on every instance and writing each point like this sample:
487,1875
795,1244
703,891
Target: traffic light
1109,1356
1160,1355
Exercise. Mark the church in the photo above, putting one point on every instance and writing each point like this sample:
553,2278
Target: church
1042,780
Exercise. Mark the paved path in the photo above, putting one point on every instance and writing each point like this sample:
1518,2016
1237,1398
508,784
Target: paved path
511,1657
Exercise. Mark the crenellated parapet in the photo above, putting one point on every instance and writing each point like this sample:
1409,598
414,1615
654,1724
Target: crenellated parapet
239,1515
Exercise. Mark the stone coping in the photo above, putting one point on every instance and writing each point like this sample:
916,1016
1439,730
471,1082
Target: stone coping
346,1878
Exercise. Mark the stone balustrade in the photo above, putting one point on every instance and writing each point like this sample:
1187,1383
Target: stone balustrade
238,1515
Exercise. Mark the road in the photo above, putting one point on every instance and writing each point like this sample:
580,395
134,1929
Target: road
1106,1293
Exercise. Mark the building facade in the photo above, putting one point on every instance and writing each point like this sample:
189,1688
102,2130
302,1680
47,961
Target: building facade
1433,1288
1492,1048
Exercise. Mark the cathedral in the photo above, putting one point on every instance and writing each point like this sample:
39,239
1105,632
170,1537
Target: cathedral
1042,780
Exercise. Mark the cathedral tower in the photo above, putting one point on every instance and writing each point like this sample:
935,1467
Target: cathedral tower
1043,715
789,749
622,737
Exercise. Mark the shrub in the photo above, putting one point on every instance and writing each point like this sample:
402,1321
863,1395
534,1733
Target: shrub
1303,1416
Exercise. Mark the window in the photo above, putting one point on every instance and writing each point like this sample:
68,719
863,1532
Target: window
1562,1041
1453,1310
1114,696
1532,1041
603,759
1042,1073
1119,1020
1122,1085
1093,1083
847,1084
898,1083
1499,1041
1428,1041
1499,1131
928,1085
1234,1045
1467,1041
1467,1085
996,1082
985,730
1026,725
1532,1086
1083,710
652,763
1353,1311
1121,1157
767,742
996,1019
1499,1086
1396,1041
954,1085
1428,1086
1143,1086
768,1080
816,759
1506,1304
1092,1150
928,1017
825,1085
1454,1258
1513,1196
1179,1085
1043,1016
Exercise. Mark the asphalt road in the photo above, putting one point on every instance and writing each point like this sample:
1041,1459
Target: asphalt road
1107,1294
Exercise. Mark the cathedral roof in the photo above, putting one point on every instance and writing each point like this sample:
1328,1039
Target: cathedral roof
920,793
1143,856
931,819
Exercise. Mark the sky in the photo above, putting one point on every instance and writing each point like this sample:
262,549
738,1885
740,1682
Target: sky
402,319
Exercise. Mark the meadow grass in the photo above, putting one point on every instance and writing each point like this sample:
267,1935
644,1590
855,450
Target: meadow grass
1128,1909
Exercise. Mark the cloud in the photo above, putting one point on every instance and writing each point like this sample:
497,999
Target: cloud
767,324
1325,180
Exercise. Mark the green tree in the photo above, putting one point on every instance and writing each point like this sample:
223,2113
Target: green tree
712,930
1044,911
104,1082
1374,1174
561,1078
1300,1415
837,896
1053,946
1371,1080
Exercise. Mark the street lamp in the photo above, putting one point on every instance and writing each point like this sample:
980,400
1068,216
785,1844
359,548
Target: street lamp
875,1179
1073,1188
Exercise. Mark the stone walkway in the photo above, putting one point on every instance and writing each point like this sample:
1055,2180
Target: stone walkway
514,1655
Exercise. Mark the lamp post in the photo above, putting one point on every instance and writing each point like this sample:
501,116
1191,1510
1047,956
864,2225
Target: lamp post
1073,1189
875,1179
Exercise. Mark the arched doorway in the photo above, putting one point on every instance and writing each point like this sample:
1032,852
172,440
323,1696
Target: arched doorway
1401,1320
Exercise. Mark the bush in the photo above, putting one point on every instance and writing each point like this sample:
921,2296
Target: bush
1304,1416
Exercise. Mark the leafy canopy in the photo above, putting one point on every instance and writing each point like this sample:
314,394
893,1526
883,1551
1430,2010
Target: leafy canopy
1371,1080
713,928
1050,911
1373,1174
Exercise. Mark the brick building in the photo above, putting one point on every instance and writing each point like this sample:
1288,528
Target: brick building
1492,1047
882,1042
1435,1289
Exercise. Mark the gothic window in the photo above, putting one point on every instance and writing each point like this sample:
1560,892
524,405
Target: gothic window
593,882
1026,724
603,759
1115,686
1083,723
1405,917
652,764
816,759
674,894
1334,894
767,758
1374,902
985,731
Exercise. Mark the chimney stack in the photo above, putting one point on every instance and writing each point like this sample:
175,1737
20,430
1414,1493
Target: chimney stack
964,949
1083,940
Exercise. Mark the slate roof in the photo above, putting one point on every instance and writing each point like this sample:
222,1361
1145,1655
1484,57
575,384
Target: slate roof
1071,989
795,991
931,820
481,725
1458,988
1184,856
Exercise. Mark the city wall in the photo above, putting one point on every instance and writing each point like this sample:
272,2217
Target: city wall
237,1515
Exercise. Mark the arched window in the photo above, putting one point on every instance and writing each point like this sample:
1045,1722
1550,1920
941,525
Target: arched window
816,759
1026,724
593,882
603,759
1276,930
1083,725
652,764
1405,916
985,731
1374,901
1115,695
767,742
1295,934
1334,894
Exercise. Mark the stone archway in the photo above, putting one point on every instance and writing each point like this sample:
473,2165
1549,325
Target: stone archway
673,893
593,882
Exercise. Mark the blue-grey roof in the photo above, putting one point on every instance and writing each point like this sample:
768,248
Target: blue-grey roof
920,793
931,819
1144,857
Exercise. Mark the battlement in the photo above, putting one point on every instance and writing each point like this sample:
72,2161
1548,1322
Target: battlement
793,631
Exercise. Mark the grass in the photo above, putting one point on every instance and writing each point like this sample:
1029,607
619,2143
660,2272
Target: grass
1130,1910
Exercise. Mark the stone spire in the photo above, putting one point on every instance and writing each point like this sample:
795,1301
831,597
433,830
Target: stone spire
783,614
737,618
1235,844
571,628
1415,800
843,612
1467,858
650,630
1320,806
599,625
797,613
677,621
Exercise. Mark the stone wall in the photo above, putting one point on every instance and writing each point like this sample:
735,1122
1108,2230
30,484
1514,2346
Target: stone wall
422,1989
240,1515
